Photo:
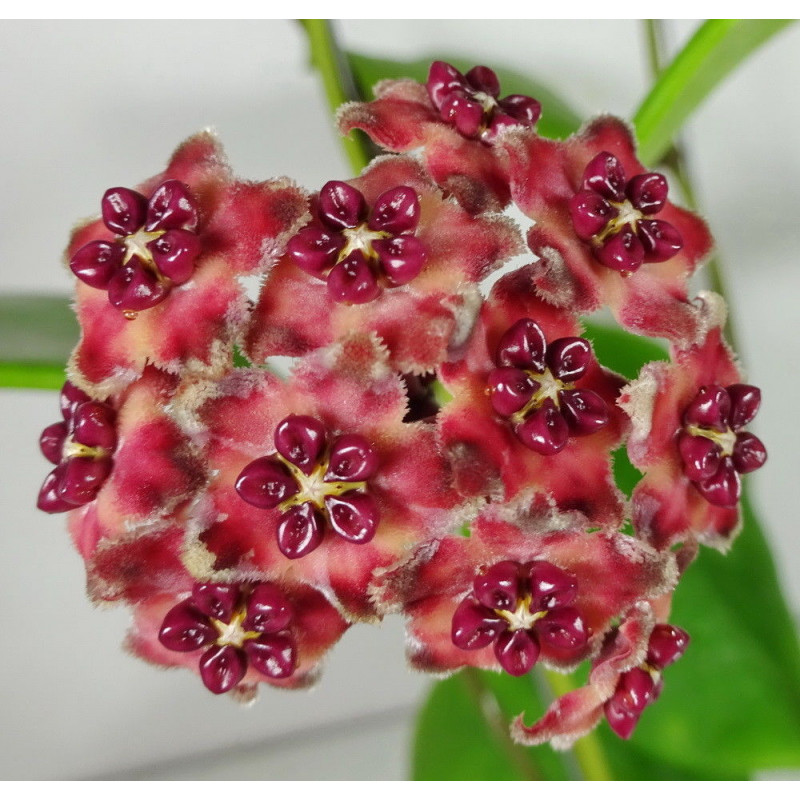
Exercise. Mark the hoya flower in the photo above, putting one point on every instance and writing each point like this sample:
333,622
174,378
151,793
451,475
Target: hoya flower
606,232
158,274
689,439
521,589
455,119
386,253
123,465
532,409
317,479
626,678
237,636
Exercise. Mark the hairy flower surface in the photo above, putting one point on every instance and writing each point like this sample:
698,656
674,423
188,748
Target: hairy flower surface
403,262
318,479
158,273
532,409
688,438
605,232
455,119
518,590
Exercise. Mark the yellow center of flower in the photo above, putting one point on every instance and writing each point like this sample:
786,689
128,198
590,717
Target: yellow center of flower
549,387
233,632
136,245
626,215
314,488
521,618
360,238
725,439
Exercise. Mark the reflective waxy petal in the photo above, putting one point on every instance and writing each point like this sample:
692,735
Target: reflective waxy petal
710,408
701,457
217,600
443,80
268,610
660,240
171,206
523,345
315,249
483,79
474,626
544,430
352,458
568,358
667,644
341,206
622,252
648,192
300,531
511,389
301,439
465,114
634,692
498,586
51,442
124,211
551,587
590,213
745,402
222,668
352,281
749,453
353,515
82,478
396,211
93,425
563,629
49,499
517,652
71,396
605,176
134,287
272,654
96,262
584,410
522,108
401,258
186,628
265,483
724,488
174,253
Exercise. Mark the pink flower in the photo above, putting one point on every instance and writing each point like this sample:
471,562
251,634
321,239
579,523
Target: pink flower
605,233
158,274
521,589
455,119
688,439
384,253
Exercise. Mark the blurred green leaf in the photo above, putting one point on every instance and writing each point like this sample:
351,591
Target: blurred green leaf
37,334
558,119
716,49
621,351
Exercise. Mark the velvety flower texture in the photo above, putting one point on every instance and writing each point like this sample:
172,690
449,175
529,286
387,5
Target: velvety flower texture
158,273
455,119
384,253
605,232
688,439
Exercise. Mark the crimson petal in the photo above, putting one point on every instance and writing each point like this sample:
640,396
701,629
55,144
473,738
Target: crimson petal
265,483
186,628
174,253
171,206
474,626
648,192
745,402
301,439
402,258
268,610
545,431
51,442
272,654
96,262
124,210
82,478
660,239
352,458
498,586
352,281
516,651
300,531
701,456
217,600
562,629
510,389
523,345
222,668
749,453
584,410
396,211
93,425
354,516
49,499
551,587
605,175
568,358
134,287
723,488
341,206
315,249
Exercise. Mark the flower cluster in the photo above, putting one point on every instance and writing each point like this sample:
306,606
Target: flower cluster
437,450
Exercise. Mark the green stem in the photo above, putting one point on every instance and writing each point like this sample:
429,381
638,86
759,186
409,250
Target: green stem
588,751
338,82
487,705
31,375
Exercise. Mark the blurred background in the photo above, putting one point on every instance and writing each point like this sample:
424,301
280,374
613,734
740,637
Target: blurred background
88,105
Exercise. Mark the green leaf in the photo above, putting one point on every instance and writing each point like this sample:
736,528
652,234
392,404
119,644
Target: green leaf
558,119
716,49
37,333
621,351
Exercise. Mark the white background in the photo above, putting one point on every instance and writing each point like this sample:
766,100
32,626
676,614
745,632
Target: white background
88,105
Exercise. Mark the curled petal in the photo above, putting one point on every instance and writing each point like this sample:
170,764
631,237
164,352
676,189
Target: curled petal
521,108
517,652
124,210
51,442
353,515
135,287
314,249
523,345
562,630
186,628
300,531
174,254
551,587
49,499
272,654
511,389
701,457
667,644
474,625
401,258
544,430
605,175
590,213
352,281
268,610
569,357
749,453
710,408
584,410
222,668
498,586
217,600
724,487
171,207
396,211
265,483
93,425
341,206
96,262
648,192
622,251
352,458
745,402
660,239
301,439
82,478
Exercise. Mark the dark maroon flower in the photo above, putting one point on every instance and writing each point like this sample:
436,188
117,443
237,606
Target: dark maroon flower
641,686
616,216
471,102
521,609
236,627
712,444
533,385
155,247
318,484
356,250
81,447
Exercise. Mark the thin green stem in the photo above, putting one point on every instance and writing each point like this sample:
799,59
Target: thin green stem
487,705
31,375
588,752
338,82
